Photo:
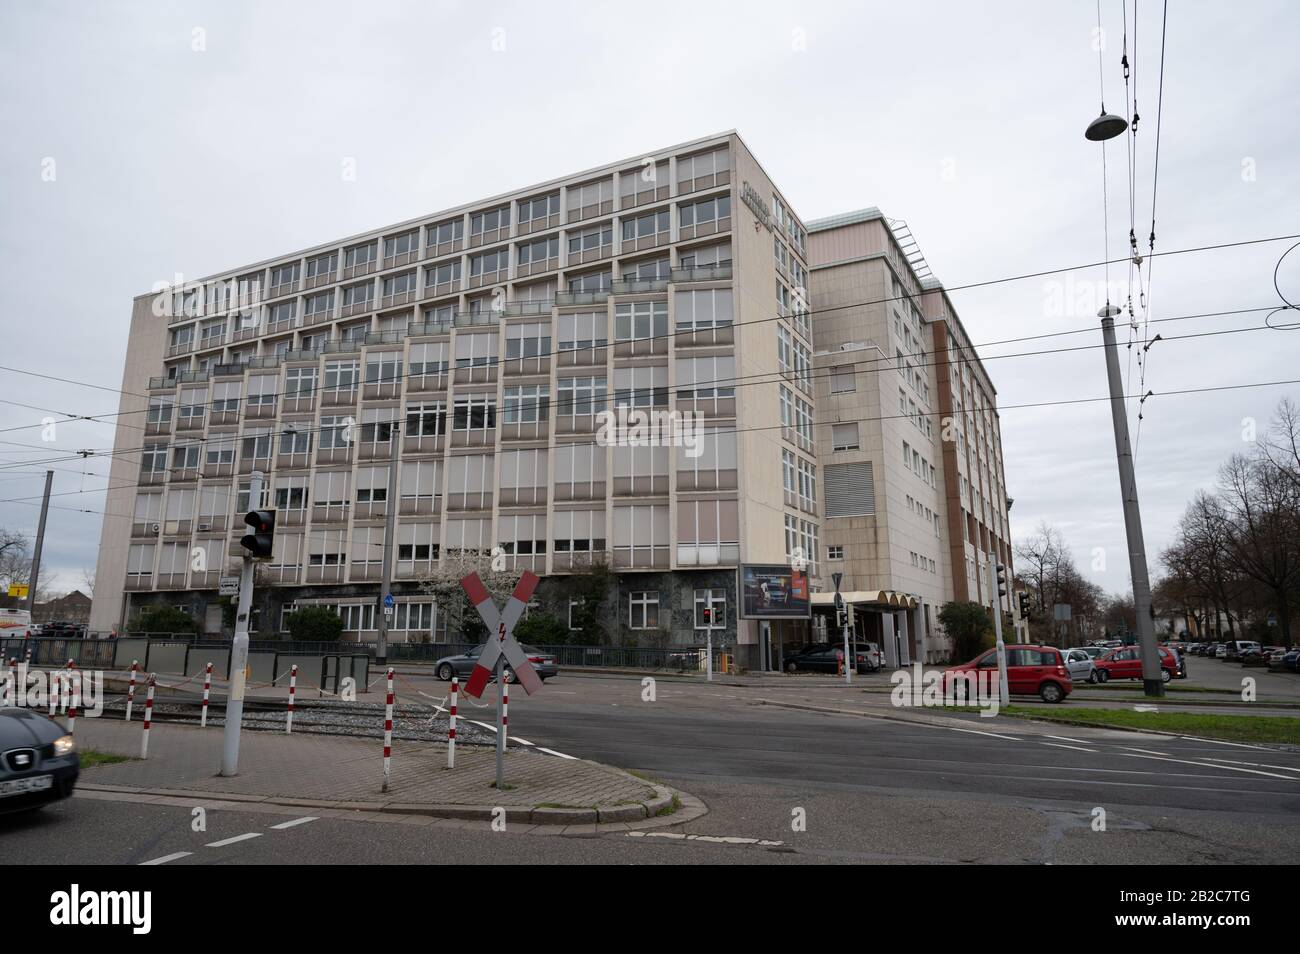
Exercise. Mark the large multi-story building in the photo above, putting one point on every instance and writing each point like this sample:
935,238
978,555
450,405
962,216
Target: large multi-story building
483,340
908,438
473,350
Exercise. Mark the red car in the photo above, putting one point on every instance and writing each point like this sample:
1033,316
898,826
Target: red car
1126,663
1031,671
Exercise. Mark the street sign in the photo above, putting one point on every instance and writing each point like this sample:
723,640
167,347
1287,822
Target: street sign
18,589
501,640
837,577
1061,612
228,586
388,601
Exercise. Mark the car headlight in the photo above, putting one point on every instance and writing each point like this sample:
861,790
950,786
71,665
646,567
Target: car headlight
64,746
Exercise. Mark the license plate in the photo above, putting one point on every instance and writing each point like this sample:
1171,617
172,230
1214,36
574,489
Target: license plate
20,786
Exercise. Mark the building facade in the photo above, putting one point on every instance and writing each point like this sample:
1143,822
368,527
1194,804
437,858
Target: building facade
909,439
473,350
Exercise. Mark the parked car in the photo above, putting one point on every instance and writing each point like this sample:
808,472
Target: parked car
462,664
1126,663
38,760
1237,648
1094,652
1291,661
15,624
1081,665
1258,657
1274,658
1031,670
825,657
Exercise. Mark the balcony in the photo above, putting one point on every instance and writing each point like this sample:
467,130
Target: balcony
161,383
642,286
425,329
703,273
567,299
476,319
519,309
342,346
394,336
183,347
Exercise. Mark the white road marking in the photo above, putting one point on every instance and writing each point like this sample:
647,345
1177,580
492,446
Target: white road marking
1009,738
515,738
713,839
1062,738
1283,768
166,858
297,821
555,753
1145,751
1229,768
231,841
1239,745
1146,708
1077,748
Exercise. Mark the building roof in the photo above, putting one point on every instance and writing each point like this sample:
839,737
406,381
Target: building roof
844,218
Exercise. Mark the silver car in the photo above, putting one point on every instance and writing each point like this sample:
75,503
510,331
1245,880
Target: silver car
462,664
1081,665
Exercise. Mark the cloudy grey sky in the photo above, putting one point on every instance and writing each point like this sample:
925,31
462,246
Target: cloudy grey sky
964,119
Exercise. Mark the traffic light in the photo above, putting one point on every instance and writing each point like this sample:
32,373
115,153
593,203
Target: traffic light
1024,605
1002,581
707,614
261,533
841,612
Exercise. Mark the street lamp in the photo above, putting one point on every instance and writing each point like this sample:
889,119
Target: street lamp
1106,126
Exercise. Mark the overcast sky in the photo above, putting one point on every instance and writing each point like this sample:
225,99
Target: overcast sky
145,139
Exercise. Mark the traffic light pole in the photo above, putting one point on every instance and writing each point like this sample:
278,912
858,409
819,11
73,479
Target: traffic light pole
386,575
238,674
1003,695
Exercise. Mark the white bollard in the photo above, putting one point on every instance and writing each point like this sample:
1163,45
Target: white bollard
293,687
130,689
207,689
451,725
148,717
388,732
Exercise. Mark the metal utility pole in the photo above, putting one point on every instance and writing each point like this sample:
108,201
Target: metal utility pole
1003,695
34,577
1137,556
390,518
238,674
841,611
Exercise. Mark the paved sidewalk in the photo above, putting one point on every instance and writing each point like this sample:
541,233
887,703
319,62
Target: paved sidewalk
335,772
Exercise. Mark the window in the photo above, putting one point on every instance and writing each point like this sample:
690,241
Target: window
708,532
583,330
416,543
843,379
420,482
358,256
844,437
327,548
214,502
139,561
526,404
523,469
299,382
540,251
291,493
212,334
428,419
261,390
583,197
335,432
295,441
476,350
641,535
703,308
489,263
705,211
710,163
710,609
193,405
428,358
257,443
399,284
580,396
659,269
706,379
358,296
579,531
595,239
474,413
160,410
522,535
322,267
641,320
835,553
377,424
643,609
403,244
580,470
372,485
649,226
319,306
528,341
708,256
442,274
384,368
225,397
541,208
590,283
641,387
415,617
490,221
445,232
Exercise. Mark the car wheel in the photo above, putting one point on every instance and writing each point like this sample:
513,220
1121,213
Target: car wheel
1092,676
1165,675
1103,675
1050,692
445,672
791,667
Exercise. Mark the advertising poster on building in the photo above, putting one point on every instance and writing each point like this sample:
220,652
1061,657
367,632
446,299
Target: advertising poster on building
773,592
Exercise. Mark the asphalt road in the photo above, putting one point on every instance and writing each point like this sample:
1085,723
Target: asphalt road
814,787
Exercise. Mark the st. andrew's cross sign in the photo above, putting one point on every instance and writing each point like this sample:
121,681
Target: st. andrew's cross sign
501,641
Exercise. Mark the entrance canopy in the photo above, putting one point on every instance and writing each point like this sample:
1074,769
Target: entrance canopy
883,599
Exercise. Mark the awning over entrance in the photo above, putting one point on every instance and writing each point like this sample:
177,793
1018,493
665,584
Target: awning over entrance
885,599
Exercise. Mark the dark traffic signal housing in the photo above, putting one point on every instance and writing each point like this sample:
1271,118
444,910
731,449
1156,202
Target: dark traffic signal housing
1002,581
1024,605
261,533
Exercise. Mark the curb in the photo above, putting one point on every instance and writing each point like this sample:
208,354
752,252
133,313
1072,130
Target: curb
594,820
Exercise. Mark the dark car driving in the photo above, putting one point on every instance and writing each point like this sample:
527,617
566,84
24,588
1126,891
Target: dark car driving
462,664
38,760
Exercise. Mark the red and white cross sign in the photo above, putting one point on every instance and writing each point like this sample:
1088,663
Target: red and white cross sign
501,641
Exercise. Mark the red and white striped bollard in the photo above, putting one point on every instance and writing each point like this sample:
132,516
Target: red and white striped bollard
130,689
505,710
388,732
74,696
207,689
293,687
451,724
148,717
11,694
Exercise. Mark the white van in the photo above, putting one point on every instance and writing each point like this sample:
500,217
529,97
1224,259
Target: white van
15,624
